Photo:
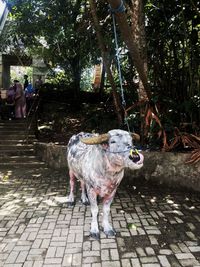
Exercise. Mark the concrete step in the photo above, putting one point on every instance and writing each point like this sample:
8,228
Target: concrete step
17,126
17,142
18,147
18,159
12,127
16,151
4,153
28,165
13,123
15,133
21,136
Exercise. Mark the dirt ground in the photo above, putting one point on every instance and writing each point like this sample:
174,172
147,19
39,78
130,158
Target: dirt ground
59,121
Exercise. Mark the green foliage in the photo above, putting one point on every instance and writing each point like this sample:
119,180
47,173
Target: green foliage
173,49
58,78
58,31
62,33
19,72
86,79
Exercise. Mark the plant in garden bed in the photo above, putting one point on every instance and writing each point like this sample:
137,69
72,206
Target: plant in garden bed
187,141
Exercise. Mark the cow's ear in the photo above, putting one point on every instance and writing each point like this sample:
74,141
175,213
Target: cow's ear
135,137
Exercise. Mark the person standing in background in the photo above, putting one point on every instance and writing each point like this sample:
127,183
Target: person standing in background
11,99
38,84
25,81
20,102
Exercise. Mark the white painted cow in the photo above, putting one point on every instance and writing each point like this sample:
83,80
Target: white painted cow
98,161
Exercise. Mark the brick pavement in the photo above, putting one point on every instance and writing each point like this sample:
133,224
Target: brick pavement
156,227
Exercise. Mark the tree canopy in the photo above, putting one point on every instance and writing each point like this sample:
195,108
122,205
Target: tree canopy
63,34
59,32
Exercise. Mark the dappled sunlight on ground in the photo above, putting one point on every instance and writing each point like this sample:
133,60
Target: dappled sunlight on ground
20,190
155,225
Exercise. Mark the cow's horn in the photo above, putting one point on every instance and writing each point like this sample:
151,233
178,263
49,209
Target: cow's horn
96,139
135,137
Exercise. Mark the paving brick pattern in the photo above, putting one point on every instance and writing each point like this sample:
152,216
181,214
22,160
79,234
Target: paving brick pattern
156,227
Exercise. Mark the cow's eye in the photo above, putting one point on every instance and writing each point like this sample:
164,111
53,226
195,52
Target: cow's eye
112,142
128,145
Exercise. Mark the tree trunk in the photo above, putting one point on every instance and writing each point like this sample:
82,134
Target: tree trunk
105,56
76,72
127,34
101,89
138,31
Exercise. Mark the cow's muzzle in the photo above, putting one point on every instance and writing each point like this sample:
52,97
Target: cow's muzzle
134,155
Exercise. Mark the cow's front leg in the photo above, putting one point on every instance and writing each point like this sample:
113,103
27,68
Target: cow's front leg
108,229
84,198
94,230
70,198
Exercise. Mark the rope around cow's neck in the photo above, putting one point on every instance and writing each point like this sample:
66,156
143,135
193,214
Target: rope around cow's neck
132,151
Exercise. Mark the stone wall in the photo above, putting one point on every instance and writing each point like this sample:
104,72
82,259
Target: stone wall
161,167
53,155
170,169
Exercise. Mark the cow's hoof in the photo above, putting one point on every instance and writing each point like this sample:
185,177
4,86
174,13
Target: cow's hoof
70,204
86,203
95,235
110,233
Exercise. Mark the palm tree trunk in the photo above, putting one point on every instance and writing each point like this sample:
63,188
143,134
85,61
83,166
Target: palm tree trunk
127,34
138,31
106,61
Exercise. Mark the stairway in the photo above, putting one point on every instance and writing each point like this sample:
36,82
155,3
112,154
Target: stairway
15,150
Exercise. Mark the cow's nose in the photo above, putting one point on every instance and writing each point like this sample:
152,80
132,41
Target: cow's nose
134,155
135,158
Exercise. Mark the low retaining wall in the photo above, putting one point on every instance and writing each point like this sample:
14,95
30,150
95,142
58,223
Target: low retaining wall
161,167
53,155
168,168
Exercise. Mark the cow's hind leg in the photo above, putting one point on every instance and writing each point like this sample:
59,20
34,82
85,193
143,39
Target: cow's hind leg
84,197
108,230
94,230
70,198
